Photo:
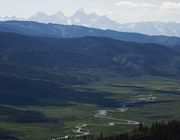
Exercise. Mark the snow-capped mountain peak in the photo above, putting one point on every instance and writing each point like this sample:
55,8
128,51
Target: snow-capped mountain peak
80,11
39,15
82,18
60,14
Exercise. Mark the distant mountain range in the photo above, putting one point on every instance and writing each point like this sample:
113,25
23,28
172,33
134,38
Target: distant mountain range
72,31
103,22
80,17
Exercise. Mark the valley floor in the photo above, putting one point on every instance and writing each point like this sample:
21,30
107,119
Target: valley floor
130,102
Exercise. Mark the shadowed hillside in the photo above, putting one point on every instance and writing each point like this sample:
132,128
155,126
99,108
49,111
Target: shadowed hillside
32,68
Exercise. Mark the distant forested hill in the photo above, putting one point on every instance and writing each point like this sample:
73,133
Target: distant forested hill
36,68
71,31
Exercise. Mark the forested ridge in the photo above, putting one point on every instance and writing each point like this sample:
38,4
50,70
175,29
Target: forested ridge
158,131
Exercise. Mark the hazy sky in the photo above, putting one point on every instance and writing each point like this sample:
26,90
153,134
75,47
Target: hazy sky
119,10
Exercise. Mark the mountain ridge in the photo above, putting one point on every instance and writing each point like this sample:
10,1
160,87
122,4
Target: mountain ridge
71,31
93,20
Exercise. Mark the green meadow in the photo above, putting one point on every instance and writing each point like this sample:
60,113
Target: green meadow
58,121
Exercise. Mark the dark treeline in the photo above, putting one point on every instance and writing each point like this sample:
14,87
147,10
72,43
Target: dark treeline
158,131
7,136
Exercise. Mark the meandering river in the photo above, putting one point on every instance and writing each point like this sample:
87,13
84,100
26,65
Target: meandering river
81,130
